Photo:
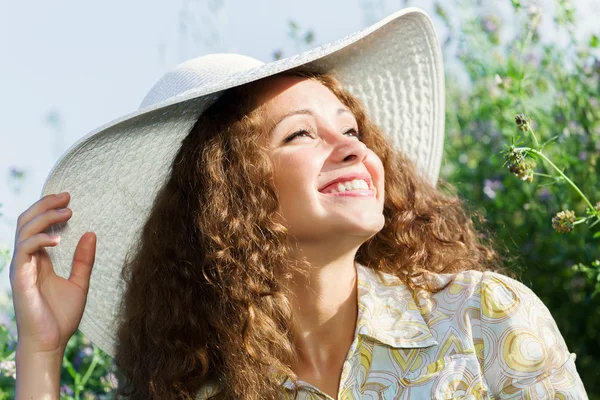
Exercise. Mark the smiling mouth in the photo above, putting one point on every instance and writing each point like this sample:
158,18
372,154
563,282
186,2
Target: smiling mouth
353,184
353,188
353,193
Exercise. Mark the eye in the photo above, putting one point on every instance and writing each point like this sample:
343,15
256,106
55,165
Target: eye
354,132
302,133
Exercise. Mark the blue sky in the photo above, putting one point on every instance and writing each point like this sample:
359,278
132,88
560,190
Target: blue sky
70,66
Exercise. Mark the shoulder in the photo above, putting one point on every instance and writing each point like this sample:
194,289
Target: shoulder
520,346
490,289
498,310
500,298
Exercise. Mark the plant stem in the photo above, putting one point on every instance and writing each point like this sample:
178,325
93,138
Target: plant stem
537,144
573,185
524,44
88,373
544,175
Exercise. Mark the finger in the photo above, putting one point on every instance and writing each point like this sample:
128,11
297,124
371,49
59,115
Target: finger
83,261
36,242
42,222
45,203
22,256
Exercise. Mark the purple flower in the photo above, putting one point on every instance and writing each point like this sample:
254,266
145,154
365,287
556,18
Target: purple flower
65,390
583,155
110,381
490,23
544,195
81,355
77,360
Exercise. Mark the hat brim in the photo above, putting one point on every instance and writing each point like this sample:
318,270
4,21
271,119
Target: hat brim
113,174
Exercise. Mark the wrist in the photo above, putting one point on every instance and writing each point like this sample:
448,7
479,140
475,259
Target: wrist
27,349
38,373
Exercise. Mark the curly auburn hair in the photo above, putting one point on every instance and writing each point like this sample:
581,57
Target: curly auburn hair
204,301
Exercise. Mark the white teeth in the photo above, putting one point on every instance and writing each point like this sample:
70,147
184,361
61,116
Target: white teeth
359,183
349,185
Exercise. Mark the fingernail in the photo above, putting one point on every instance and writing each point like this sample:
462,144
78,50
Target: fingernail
63,210
61,195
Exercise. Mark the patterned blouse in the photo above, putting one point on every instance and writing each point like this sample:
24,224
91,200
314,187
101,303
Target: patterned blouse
483,336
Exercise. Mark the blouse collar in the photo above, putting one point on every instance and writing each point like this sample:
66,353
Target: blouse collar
387,311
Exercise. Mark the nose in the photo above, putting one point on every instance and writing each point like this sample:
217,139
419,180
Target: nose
348,150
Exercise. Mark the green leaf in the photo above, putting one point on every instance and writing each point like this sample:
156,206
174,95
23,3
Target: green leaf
552,139
596,235
594,41
309,37
4,339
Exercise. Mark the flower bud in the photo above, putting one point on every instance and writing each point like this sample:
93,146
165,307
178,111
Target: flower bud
523,122
564,221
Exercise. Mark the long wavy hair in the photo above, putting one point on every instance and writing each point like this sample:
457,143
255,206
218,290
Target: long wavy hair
204,301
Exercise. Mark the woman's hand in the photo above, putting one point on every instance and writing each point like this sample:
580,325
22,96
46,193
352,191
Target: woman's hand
48,308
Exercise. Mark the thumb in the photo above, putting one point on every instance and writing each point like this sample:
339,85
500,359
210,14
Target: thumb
83,260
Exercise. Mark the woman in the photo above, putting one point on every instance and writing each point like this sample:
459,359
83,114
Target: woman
290,251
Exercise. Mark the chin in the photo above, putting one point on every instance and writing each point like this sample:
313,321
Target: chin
325,230
366,226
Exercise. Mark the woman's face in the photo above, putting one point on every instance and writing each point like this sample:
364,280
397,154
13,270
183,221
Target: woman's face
313,144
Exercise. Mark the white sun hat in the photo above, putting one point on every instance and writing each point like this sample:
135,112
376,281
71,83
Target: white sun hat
114,173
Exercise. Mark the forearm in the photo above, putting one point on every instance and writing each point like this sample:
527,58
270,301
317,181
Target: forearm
38,375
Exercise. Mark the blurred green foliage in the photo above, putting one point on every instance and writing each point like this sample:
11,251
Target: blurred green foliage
558,86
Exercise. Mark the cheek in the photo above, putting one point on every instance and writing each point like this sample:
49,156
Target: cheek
295,174
375,168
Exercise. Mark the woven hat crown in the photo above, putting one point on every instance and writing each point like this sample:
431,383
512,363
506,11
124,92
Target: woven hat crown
197,73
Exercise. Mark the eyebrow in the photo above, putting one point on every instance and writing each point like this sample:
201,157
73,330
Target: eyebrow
305,111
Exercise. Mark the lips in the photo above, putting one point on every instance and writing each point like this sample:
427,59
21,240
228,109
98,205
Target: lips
348,177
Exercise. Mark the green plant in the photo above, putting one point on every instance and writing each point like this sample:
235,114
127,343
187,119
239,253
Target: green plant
87,372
